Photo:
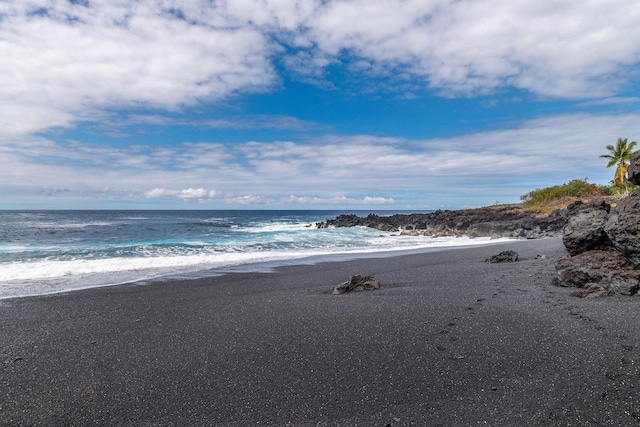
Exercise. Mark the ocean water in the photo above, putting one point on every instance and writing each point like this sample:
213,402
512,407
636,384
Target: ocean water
44,252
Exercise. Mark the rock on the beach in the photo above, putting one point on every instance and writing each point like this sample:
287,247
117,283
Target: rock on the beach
603,244
633,171
357,283
610,270
593,291
584,230
505,256
623,228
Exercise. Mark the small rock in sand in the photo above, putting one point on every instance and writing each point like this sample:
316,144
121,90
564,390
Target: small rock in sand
357,283
505,256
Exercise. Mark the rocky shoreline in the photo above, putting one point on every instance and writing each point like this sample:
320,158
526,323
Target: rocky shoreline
602,239
495,221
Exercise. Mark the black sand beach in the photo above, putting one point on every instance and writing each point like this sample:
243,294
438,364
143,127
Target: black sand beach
448,340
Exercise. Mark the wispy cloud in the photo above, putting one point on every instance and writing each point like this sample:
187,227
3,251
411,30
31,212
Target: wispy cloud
336,201
614,100
327,170
117,124
185,194
263,121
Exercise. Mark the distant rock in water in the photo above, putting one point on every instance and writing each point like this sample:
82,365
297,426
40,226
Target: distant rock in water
497,221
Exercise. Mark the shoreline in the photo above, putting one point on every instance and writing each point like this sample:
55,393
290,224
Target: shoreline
448,340
257,266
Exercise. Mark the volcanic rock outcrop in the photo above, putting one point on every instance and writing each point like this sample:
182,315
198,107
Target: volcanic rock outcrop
603,244
633,171
584,229
499,221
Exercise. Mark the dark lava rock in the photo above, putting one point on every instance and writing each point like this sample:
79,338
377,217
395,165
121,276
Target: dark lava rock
604,244
593,291
505,256
357,283
501,221
584,228
633,171
623,227
609,269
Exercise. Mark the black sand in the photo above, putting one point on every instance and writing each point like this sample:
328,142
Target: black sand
449,340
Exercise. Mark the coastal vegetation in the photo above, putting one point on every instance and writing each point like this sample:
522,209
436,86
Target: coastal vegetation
548,199
565,194
620,156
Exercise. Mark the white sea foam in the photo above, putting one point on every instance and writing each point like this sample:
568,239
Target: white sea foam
69,225
52,276
49,252
277,227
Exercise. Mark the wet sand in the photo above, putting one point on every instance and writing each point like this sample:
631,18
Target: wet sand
448,340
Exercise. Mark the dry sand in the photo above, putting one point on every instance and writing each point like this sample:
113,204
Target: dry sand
448,340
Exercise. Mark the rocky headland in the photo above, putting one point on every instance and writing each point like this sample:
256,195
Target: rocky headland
603,242
494,221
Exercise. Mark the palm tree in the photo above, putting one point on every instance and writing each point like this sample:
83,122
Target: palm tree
620,155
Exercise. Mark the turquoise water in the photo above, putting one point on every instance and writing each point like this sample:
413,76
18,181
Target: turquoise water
44,252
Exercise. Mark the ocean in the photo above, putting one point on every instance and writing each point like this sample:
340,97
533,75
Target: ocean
45,252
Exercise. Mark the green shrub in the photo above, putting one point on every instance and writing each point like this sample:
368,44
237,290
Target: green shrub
623,188
575,188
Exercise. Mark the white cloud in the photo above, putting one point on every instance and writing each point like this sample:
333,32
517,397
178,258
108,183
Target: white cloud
61,63
186,194
572,49
246,200
337,200
329,170
64,62
614,100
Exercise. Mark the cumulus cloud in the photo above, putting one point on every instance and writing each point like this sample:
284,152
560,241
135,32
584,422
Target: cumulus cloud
570,49
65,62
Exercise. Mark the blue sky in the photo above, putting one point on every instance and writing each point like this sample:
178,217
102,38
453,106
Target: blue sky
285,104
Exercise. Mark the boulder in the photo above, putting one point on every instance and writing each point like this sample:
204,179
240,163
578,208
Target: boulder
603,244
633,172
584,228
505,256
623,228
610,270
357,283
